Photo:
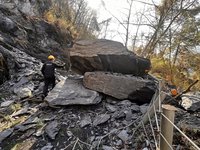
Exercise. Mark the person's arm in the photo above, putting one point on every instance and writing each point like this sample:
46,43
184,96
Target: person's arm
42,70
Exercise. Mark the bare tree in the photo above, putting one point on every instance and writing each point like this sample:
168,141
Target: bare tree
78,14
169,14
124,23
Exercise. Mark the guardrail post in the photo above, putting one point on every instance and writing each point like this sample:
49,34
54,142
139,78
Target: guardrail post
167,127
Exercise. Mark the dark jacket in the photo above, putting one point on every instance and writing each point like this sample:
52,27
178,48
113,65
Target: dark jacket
48,69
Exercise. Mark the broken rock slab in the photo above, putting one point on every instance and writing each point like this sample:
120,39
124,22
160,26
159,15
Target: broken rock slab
120,86
101,119
23,93
52,129
4,134
7,103
72,92
106,55
123,135
85,121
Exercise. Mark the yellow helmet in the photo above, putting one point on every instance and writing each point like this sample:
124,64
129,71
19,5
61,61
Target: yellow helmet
51,57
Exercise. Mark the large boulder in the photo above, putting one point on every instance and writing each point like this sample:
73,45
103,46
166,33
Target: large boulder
72,92
106,55
120,86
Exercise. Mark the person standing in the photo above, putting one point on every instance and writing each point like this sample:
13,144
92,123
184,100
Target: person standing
48,71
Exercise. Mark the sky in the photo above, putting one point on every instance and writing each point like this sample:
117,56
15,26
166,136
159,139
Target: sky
119,9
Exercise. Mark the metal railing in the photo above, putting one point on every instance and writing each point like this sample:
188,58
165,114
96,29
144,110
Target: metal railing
165,127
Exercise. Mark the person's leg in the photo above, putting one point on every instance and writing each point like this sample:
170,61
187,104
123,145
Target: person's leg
46,85
53,82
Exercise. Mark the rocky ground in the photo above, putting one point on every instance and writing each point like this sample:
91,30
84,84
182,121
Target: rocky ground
30,123
99,108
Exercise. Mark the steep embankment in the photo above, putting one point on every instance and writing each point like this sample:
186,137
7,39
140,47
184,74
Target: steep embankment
26,39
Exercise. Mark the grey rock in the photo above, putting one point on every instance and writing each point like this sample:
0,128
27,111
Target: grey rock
101,119
105,147
123,135
40,132
7,103
95,144
126,103
7,24
92,138
69,133
143,108
104,55
85,121
120,86
23,80
129,115
119,143
195,107
23,92
47,147
52,129
135,108
110,108
27,134
22,128
111,100
72,92
119,114
21,112
31,120
135,116
6,133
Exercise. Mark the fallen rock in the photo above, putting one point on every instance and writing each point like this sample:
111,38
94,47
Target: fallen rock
47,147
120,86
105,147
106,55
101,119
23,128
143,108
119,114
85,121
7,25
72,92
21,112
31,120
4,134
123,135
110,108
7,103
23,93
52,129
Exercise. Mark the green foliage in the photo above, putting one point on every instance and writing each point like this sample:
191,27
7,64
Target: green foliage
176,74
